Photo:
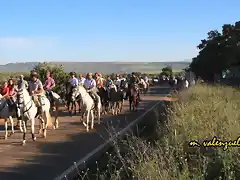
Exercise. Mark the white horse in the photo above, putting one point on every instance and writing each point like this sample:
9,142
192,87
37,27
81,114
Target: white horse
6,114
29,110
87,105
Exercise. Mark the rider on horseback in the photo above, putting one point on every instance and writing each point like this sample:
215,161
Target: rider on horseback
48,86
22,84
99,81
108,84
36,89
73,80
81,79
90,86
118,81
143,83
12,92
134,80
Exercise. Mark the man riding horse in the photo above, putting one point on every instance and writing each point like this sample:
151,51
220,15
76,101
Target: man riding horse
72,83
90,86
22,84
81,79
134,80
36,90
48,86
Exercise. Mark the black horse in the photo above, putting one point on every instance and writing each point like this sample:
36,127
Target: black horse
104,99
72,105
115,100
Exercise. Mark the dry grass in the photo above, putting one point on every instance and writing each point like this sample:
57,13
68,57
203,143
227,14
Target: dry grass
201,113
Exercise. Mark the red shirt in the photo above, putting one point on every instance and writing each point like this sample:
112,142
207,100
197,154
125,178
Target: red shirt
5,90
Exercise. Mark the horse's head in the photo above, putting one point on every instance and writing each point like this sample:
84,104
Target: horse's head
75,93
20,96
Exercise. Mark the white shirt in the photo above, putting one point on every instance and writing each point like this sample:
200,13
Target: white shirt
118,82
88,84
143,82
73,81
82,80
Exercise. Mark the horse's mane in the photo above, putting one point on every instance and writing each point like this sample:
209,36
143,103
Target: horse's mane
25,91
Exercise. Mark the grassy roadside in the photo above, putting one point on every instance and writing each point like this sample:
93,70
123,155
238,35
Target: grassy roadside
162,151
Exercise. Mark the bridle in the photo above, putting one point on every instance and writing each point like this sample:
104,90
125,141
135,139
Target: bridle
20,96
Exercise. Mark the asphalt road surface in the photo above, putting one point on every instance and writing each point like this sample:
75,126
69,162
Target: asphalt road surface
47,158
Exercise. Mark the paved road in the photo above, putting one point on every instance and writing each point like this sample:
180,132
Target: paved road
48,158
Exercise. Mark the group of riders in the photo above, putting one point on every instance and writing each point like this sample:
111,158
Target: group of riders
95,83
36,88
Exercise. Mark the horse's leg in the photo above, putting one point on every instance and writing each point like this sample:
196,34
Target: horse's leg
92,117
86,124
41,124
75,107
24,132
6,127
112,107
115,108
19,120
99,115
33,128
20,125
45,120
12,123
121,107
56,124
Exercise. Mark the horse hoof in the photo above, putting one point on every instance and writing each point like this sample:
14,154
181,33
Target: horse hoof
23,142
92,127
87,130
84,124
34,139
12,132
5,137
21,130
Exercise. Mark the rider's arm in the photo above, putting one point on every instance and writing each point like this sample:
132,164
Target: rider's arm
85,84
52,84
93,84
39,89
76,81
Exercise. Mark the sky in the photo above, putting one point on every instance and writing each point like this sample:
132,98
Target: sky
108,30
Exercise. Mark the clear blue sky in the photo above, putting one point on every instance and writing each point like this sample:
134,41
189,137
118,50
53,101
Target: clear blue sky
108,30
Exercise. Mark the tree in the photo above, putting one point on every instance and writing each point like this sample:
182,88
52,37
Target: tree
218,52
167,71
58,74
